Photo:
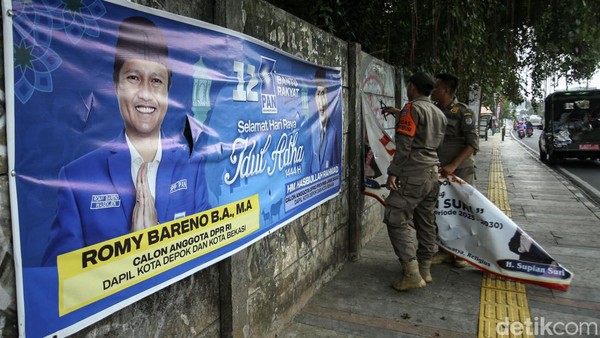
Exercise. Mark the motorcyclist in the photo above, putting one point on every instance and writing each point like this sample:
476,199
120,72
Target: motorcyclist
521,129
529,128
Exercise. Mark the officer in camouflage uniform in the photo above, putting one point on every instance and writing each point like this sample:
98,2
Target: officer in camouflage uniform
413,182
461,141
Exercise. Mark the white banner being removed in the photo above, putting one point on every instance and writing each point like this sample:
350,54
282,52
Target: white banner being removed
470,225
379,151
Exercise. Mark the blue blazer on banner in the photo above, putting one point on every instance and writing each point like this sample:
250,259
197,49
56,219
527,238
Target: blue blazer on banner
324,154
96,194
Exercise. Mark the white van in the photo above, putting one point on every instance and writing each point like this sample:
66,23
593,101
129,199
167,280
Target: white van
536,121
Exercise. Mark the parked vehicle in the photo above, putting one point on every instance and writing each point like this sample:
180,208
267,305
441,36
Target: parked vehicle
571,125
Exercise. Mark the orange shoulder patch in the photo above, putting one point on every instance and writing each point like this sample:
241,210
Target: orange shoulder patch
406,124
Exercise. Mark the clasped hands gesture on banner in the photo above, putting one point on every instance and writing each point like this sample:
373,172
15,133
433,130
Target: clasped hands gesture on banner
144,212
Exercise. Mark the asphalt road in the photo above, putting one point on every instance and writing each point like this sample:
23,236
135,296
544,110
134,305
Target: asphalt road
584,174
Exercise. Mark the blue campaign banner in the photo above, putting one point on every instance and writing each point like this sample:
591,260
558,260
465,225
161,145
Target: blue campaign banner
146,146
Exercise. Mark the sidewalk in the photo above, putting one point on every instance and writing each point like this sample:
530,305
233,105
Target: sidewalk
359,301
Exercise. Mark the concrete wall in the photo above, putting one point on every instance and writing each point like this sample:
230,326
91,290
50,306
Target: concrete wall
256,291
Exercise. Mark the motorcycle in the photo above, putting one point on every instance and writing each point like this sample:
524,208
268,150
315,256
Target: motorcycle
529,132
521,131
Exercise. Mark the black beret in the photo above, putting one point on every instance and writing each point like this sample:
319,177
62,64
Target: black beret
423,81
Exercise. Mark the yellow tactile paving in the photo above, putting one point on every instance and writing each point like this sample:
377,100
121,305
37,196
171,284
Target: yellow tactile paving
503,309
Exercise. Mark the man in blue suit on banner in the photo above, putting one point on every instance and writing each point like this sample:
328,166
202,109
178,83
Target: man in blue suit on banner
325,144
141,178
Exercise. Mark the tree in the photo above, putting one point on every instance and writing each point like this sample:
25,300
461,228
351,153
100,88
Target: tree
498,44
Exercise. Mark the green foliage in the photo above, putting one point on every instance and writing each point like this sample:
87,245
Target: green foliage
563,41
507,111
491,43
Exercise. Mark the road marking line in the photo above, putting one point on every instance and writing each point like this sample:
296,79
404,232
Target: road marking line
502,299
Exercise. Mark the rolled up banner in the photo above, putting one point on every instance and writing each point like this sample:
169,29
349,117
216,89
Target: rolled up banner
472,227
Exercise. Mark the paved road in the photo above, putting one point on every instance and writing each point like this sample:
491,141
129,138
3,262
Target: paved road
585,174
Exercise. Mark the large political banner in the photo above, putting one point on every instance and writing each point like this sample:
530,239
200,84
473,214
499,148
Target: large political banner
144,147
469,225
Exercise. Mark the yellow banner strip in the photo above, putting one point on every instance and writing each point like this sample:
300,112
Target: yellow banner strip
98,271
